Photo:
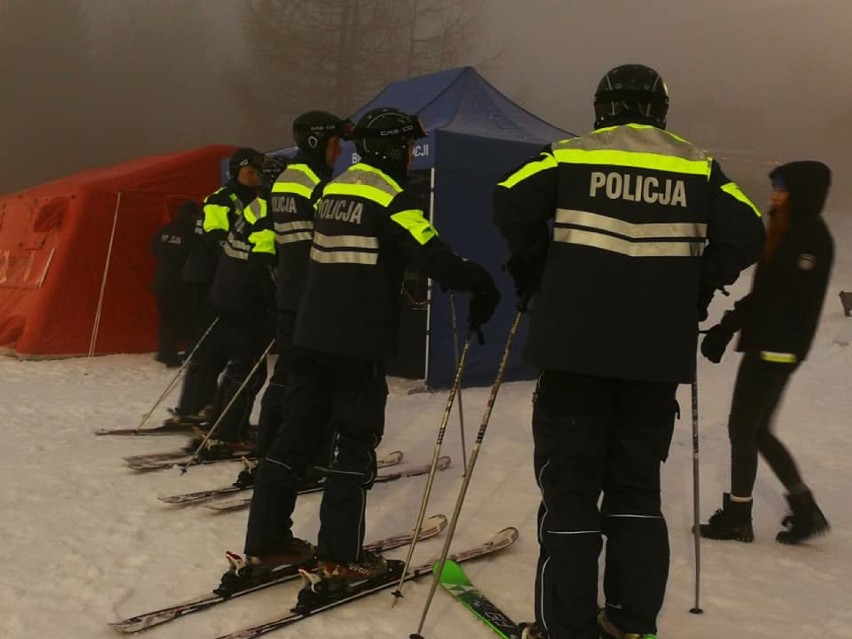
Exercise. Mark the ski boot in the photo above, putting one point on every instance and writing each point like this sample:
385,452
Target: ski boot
532,631
216,448
730,522
179,422
804,521
332,579
609,630
246,572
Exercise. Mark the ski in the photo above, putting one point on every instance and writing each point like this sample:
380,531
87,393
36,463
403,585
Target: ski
431,528
385,461
227,505
158,461
165,429
456,582
303,610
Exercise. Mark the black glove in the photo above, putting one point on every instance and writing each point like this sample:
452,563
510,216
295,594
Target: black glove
526,271
705,296
716,340
483,300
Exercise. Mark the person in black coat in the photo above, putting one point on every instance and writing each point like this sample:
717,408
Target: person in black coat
170,245
777,322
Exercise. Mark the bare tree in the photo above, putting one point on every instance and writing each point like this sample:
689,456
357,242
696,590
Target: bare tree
336,54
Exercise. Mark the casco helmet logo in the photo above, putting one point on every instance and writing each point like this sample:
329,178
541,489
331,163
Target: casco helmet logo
408,128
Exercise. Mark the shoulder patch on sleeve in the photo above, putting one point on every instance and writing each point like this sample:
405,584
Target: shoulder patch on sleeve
806,261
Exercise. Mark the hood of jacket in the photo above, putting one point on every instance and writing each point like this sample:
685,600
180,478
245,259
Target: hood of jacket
807,181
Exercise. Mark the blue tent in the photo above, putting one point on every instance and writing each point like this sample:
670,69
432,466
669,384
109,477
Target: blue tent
475,135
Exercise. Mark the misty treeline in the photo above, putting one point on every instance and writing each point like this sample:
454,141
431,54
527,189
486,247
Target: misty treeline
88,82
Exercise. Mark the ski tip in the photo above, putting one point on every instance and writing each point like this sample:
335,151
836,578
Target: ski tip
507,536
438,521
444,462
394,456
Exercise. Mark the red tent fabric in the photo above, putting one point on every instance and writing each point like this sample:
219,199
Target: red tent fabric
54,245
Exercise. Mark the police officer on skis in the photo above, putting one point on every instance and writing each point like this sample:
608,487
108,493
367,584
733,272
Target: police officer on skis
292,200
368,229
243,293
219,212
622,235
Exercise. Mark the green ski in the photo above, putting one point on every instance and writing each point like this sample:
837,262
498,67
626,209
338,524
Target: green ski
455,582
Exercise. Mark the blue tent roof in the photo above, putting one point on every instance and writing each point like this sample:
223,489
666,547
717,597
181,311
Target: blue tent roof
462,101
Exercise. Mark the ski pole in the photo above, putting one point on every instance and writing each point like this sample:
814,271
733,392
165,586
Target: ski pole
456,355
696,525
451,529
437,453
177,375
260,360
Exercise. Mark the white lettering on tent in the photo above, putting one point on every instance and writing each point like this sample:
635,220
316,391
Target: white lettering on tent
638,188
421,150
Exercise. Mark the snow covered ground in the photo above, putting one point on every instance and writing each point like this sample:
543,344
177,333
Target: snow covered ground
84,540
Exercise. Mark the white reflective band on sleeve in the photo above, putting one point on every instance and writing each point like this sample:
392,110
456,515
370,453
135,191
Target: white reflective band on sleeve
235,252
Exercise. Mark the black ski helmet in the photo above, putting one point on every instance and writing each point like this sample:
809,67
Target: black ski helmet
383,134
631,89
313,130
244,157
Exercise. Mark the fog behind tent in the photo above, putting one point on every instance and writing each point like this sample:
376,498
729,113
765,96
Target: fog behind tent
90,83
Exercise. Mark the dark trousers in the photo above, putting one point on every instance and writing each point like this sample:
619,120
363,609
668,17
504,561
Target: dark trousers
210,357
171,311
322,387
245,337
272,402
757,393
598,436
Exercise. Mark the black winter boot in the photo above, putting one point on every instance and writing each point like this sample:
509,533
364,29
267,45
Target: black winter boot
805,521
731,522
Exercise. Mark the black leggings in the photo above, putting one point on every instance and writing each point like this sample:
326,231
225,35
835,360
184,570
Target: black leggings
759,388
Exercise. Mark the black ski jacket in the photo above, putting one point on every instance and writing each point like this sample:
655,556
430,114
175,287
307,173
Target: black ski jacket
220,210
634,228
368,229
170,245
292,201
780,316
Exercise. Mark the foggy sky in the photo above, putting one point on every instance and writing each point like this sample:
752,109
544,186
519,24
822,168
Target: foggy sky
764,80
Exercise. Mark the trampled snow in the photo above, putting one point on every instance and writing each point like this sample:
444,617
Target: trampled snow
85,541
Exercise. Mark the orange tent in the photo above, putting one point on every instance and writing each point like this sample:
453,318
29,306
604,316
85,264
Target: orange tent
75,261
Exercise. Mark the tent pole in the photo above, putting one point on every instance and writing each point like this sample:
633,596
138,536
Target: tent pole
103,283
